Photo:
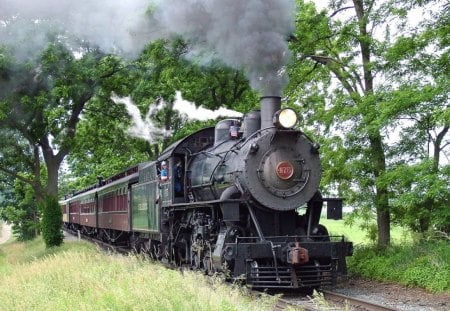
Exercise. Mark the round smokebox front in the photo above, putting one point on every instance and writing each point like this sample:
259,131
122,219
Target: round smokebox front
284,172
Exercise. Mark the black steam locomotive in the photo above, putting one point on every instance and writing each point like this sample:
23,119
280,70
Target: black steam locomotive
241,197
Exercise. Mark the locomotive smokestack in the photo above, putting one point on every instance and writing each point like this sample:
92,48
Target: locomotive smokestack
269,105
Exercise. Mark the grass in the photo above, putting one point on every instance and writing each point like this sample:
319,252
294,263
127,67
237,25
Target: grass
77,276
358,236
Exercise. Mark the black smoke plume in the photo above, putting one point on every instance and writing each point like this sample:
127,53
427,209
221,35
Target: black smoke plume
247,34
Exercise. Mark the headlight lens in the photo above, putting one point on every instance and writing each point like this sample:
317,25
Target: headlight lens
285,118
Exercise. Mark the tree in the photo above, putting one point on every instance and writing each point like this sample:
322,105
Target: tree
22,212
418,61
341,77
41,106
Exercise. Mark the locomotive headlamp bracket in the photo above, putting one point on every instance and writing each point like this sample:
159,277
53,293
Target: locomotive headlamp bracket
285,118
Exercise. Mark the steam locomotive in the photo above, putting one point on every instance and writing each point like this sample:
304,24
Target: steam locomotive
240,197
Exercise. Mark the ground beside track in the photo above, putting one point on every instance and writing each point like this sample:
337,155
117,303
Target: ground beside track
394,295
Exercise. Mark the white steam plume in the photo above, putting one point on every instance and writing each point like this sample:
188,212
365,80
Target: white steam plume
141,127
146,129
192,112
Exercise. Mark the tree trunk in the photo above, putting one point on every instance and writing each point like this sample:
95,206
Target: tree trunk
52,162
438,148
424,219
376,143
384,226
52,182
381,195
167,123
36,221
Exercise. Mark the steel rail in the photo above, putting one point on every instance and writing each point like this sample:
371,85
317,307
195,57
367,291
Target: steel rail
120,249
283,304
355,303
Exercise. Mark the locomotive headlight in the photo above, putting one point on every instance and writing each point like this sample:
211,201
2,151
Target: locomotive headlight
285,118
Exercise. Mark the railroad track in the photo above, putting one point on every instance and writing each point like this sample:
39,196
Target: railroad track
305,305
103,245
330,301
354,303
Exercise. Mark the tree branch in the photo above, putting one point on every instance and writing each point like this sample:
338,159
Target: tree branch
16,175
441,136
445,145
327,61
340,10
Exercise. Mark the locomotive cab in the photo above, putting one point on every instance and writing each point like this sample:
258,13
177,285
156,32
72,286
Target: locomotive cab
171,176
177,188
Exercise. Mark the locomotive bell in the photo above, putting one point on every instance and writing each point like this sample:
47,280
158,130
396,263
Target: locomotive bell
222,130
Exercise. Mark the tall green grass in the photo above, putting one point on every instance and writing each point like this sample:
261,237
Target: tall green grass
79,277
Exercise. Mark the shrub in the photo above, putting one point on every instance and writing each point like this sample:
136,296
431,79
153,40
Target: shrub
51,224
423,265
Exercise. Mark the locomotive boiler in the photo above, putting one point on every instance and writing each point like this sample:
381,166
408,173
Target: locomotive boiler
241,198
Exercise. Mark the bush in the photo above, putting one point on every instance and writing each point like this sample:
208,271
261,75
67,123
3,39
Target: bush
422,265
51,224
